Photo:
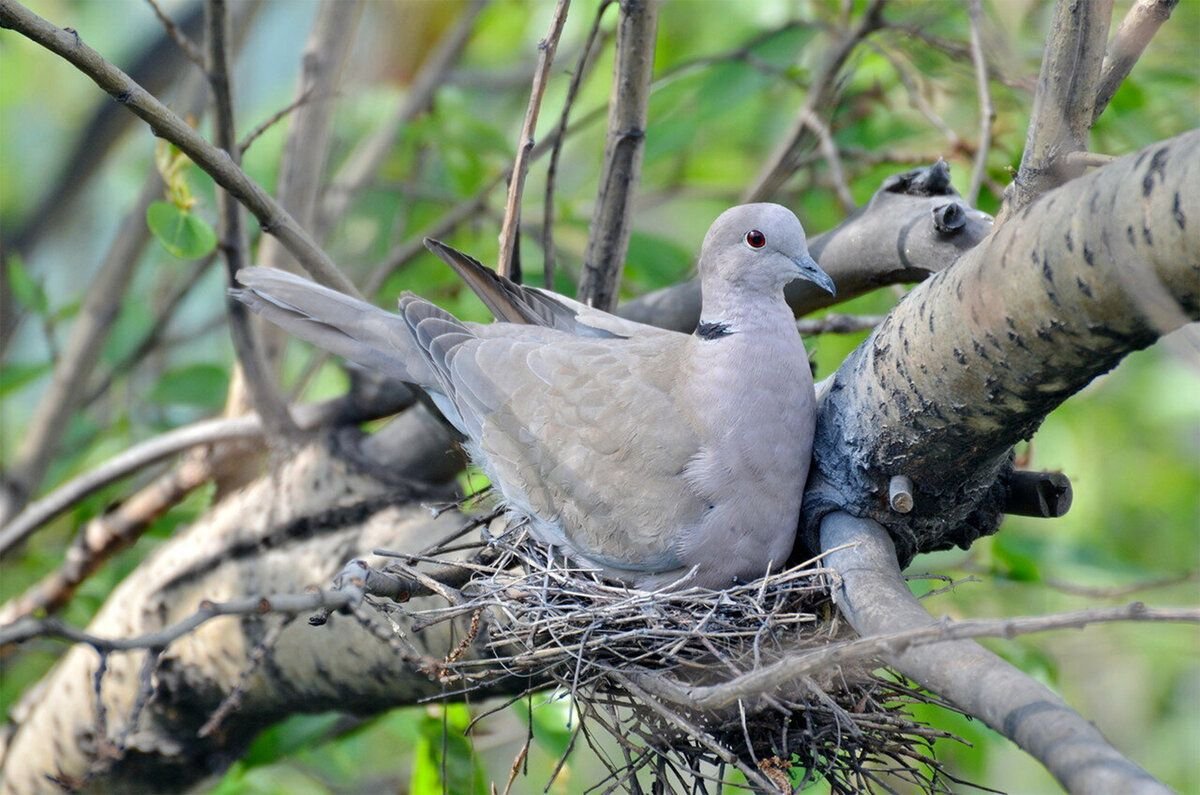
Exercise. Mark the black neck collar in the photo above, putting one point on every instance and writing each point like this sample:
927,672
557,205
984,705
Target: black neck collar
713,331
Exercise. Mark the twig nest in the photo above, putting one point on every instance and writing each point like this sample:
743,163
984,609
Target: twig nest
536,615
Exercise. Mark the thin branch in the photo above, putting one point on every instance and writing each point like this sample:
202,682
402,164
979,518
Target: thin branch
164,313
275,220
89,332
608,236
780,165
509,265
185,44
558,137
152,451
838,324
282,604
269,122
793,667
1138,27
1065,99
833,159
268,402
987,111
362,166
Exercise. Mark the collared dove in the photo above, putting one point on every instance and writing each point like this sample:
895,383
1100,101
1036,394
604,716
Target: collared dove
646,453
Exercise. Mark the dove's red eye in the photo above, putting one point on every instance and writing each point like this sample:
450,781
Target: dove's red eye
755,239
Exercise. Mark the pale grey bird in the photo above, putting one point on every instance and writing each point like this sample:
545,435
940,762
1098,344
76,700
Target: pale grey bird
649,454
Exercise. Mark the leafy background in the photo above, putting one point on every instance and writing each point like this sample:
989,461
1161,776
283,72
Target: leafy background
1130,442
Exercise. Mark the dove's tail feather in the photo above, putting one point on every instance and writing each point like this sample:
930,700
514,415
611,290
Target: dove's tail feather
509,301
348,327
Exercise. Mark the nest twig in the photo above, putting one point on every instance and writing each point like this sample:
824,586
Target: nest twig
538,616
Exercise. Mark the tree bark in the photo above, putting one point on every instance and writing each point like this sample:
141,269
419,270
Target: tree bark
972,360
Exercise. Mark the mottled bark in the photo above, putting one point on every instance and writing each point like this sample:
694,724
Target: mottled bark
971,361
290,529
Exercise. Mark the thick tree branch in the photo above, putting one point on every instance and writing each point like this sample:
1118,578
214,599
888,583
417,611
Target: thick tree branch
608,236
875,599
972,360
275,220
1063,105
289,529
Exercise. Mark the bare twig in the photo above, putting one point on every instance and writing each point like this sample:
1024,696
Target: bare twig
833,159
838,324
558,137
362,165
88,334
180,38
174,441
1140,24
275,220
987,111
164,313
509,265
1063,104
267,401
608,237
269,122
780,165
282,604
1089,159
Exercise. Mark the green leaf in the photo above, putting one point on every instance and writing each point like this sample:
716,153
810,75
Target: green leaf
444,759
27,290
15,375
181,232
201,385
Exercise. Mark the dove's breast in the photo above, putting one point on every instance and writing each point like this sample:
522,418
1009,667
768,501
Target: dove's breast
755,400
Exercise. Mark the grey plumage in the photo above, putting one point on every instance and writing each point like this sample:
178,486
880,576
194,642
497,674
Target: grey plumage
647,453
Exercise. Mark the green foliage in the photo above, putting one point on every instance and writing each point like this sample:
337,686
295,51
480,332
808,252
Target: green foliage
180,231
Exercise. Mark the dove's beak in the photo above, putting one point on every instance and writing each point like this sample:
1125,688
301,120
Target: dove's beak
809,269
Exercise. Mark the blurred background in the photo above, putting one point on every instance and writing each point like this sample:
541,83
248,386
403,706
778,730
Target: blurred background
729,77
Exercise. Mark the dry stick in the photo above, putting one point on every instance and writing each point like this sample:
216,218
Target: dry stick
1064,103
275,220
608,237
558,137
508,264
283,604
875,600
177,440
362,166
307,147
186,45
780,164
101,304
1144,19
829,151
838,324
267,401
987,111
915,96
163,316
252,136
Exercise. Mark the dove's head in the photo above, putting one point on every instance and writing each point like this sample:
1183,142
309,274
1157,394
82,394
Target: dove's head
758,248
